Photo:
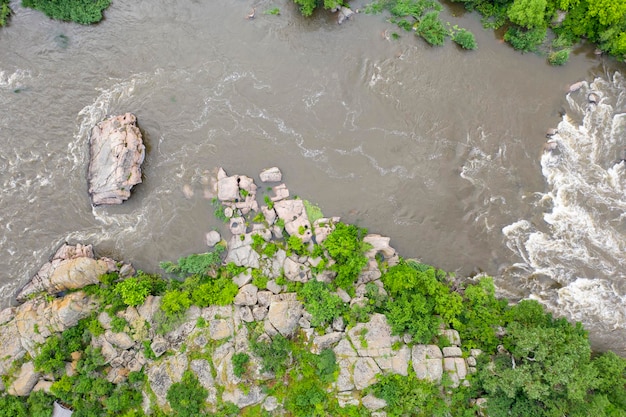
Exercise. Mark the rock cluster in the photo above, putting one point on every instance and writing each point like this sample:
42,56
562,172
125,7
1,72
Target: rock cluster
116,154
363,351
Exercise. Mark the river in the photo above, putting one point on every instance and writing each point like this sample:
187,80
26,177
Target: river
438,148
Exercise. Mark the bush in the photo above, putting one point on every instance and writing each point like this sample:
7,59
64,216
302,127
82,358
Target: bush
465,39
481,316
409,396
80,11
321,303
175,302
5,12
133,291
196,264
240,363
344,244
525,40
432,29
187,396
275,356
559,57
11,406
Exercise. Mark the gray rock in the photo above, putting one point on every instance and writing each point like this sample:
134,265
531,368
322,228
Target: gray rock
119,340
452,351
271,175
243,256
10,346
247,295
162,375
43,385
149,307
295,271
245,313
159,346
237,225
228,189
25,381
344,14
326,341
344,380
264,298
270,403
274,287
259,313
213,238
280,192
243,278
255,395
284,313
202,369
376,335
364,373
116,154
427,362
452,336
373,403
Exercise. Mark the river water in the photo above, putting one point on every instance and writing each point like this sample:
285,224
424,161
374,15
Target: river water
440,149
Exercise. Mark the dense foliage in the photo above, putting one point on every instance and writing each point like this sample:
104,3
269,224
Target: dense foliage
80,11
600,21
532,365
5,12
345,245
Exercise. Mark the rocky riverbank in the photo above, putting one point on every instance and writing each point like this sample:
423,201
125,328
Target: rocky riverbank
292,314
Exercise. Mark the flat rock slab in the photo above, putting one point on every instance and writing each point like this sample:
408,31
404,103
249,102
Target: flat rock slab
116,154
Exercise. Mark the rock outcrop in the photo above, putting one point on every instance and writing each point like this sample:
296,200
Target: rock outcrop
116,154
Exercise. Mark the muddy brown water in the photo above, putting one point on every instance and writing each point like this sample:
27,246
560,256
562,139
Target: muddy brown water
438,148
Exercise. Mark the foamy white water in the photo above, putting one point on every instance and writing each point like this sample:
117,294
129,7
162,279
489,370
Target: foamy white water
573,260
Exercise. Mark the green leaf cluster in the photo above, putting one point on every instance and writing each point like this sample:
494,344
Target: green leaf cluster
323,305
419,300
548,370
80,11
187,396
196,264
345,245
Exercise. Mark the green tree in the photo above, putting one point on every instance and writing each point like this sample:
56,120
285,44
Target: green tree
528,13
133,291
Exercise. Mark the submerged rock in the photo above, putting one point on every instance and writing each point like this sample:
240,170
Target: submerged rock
116,154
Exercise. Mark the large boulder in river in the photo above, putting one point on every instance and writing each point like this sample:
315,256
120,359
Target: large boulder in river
117,152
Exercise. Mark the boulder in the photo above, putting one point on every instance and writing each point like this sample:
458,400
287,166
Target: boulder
71,267
427,362
271,175
247,295
116,154
25,381
213,238
284,313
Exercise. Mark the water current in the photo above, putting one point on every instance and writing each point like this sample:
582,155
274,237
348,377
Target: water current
440,149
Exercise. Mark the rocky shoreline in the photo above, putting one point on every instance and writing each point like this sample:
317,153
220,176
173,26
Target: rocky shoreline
293,314
54,302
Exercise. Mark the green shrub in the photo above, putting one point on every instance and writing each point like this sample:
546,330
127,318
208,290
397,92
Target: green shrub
240,363
175,302
275,355
196,264
321,303
525,40
118,324
39,404
432,29
409,396
295,245
80,11
205,291
5,12
133,290
52,355
12,406
187,396
559,57
481,316
307,399
465,39
345,245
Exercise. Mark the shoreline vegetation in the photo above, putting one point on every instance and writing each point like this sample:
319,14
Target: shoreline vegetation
296,315
547,27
